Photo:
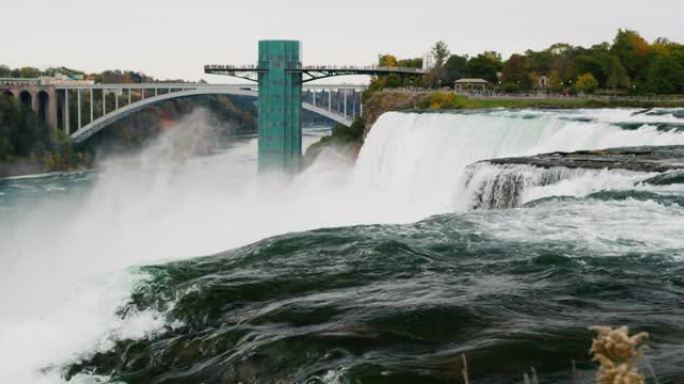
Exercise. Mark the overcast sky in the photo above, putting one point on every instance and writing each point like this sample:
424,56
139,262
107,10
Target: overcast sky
174,39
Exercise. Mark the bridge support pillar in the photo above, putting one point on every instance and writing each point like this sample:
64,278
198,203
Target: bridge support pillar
280,103
78,106
92,113
34,101
345,102
67,117
52,109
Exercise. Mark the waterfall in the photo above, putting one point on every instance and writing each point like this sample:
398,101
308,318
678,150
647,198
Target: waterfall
422,159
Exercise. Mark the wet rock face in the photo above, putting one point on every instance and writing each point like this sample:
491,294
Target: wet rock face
668,178
503,183
638,159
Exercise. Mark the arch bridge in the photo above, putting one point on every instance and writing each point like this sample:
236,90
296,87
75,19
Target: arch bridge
81,108
100,105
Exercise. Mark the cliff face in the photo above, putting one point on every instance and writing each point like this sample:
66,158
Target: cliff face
386,101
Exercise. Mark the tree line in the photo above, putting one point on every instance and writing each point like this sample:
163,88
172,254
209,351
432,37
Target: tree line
115,76
629,65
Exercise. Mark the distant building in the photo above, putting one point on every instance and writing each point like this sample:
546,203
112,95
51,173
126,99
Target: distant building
63,79
543,82
428,62
470,85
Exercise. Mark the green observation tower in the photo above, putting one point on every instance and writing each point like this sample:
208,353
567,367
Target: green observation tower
280,75
280,105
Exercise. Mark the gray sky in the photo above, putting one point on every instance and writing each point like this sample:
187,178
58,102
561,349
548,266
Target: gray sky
174,39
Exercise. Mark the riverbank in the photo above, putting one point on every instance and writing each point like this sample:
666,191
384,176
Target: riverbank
448,100
20,167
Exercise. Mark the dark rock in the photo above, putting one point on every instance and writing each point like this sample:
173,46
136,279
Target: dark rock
638,159
667,178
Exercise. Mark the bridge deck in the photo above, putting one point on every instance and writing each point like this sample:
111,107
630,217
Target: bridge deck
314,72
188,86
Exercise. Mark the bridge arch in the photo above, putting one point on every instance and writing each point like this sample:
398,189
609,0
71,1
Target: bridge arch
26,99
43,104
102,122
7,92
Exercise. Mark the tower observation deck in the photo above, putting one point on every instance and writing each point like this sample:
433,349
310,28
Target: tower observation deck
280,75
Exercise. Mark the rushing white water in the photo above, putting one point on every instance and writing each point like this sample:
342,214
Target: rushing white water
66,251
492,186
411,156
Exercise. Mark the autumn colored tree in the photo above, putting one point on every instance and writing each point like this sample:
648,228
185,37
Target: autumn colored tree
411,63
586,83
633,51
515,71
387,60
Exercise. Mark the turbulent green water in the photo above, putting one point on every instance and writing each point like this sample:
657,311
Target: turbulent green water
373,272
400,303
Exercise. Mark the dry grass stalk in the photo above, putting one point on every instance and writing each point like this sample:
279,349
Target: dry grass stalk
535,380
617,352
531,377
464,371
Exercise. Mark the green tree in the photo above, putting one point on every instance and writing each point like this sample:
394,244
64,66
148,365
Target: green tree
539,62
393,81
29,72
437,75
633,51
485,65
456,67
616,74
666,75
440,52
22,133
9,125
586,83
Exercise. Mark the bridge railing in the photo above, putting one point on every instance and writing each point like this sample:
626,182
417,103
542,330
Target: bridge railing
364,68
18,81
228,68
